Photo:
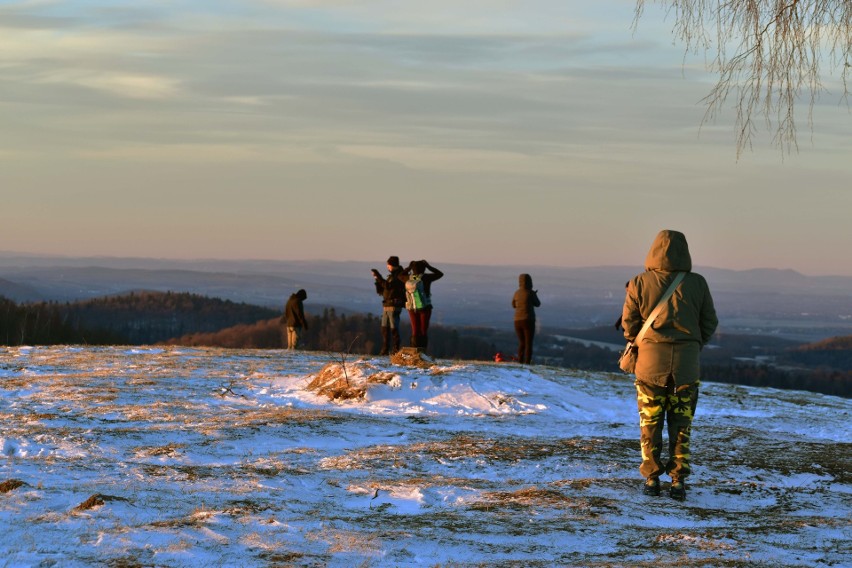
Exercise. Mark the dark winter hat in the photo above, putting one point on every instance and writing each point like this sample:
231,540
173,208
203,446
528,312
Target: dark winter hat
302,295
393,261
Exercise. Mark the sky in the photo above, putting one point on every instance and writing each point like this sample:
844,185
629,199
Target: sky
534,132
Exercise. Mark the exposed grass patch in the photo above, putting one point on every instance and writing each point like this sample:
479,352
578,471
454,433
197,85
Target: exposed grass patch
97,500
580,508
466,446
773,454
411,357
338,381
127,562
343,541
196,519
245,507
283,558
274,415
183,473
506,449
10,485
169,450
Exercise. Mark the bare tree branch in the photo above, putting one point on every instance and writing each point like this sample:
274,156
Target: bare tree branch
778,47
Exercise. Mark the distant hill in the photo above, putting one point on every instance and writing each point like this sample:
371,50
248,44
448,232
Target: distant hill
831,344
18,292
150,317
834,353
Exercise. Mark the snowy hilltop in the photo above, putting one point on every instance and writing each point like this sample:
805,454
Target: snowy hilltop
196,457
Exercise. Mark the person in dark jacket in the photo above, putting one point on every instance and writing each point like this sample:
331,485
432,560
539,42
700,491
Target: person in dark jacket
667,364
525,301
392,291
418,299
294,318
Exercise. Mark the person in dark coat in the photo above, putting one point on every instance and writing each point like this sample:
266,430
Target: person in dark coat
294,318
392,291
418,299
525,301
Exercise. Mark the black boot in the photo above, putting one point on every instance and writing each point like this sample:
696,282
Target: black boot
652,486
395,335
385,341
677,490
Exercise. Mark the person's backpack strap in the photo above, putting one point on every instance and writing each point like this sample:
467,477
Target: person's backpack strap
659,307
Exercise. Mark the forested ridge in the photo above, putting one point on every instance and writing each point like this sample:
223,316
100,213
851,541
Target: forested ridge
136,318
152,317
141,318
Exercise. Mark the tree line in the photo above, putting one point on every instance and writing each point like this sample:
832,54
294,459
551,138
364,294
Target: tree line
148,317
823,380
137,318
342,333
37,324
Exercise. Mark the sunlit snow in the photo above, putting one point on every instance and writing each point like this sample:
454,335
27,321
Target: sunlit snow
196,457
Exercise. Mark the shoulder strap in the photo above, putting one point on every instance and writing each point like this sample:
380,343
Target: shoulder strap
659,307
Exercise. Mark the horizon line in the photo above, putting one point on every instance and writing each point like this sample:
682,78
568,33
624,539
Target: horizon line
48,256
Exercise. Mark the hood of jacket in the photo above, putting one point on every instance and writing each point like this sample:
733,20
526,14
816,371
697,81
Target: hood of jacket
669,253
525,281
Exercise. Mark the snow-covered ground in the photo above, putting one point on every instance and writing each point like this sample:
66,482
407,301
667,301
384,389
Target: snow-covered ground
206,457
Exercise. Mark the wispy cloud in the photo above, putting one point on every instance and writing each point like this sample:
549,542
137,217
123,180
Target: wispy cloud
121,84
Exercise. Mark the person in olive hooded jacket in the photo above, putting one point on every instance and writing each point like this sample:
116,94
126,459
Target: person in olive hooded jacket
525,301
667,367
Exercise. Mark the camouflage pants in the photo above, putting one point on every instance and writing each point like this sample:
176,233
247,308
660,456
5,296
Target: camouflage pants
675,406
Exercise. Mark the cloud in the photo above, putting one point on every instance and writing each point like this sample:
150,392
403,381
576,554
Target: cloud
121,84
451,17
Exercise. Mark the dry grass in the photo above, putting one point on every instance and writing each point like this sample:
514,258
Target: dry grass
461,447
128,562
10,485
333,382
343,541
196,519
504,449
169,450
273,415
93,501
537,498
338,381
411,357
97,500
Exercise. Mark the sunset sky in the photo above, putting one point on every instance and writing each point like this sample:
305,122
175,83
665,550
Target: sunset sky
532,132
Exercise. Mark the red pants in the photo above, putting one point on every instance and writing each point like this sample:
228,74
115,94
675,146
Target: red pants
420,327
